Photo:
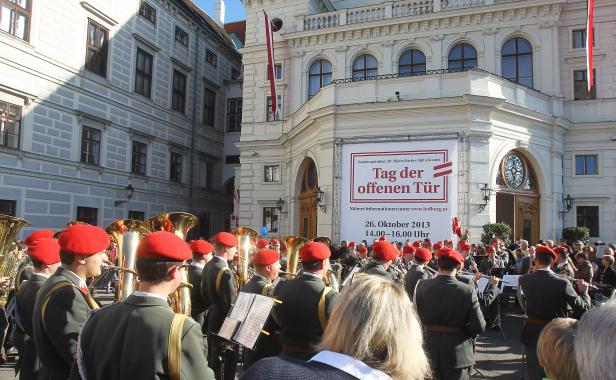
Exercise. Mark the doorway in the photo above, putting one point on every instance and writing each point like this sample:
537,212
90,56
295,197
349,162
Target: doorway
307,205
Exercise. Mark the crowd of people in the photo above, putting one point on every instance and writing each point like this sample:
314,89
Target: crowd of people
385,310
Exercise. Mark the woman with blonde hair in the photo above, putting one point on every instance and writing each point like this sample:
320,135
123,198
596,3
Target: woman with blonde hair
555,349
373,333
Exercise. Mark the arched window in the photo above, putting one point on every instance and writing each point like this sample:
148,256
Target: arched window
462,57
412,62
517,61
365,66
319,75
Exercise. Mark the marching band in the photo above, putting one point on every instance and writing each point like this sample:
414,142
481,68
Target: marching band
171,294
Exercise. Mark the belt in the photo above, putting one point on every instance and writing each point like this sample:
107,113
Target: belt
445,329
307,350
537,322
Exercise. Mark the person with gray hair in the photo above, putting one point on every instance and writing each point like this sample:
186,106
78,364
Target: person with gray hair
594,343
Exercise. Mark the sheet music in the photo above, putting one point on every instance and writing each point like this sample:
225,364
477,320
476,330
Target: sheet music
242,306
250,329
510,280
482,284
228,328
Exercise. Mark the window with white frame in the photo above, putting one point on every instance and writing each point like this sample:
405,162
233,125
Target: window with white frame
271,173
277,72
271,116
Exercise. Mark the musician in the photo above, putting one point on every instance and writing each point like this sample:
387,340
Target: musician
219,290
491,262
418,271
306,304
383,253
605,277
262,244
469,261
451,316
408,253
562,265
523,261
267,266
201,255
547,297
64,302
45,256
584,269
137,338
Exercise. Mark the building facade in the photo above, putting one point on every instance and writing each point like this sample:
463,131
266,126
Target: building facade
505,79
96,96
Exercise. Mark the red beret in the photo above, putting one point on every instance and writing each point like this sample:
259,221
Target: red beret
408,249
83,239
314,251
464,245
495,241
265,257
274,242
438,245
262,243
362,250
427,244
40,234
384,251
382,238
163,246
45,251
423,254
226,239
201,247
558,249
451,254
352,244
417,244
544,249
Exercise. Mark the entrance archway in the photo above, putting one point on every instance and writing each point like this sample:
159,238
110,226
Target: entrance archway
517,197
309,182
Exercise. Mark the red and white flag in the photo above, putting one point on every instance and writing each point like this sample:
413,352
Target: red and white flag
269,37
590,41
443,169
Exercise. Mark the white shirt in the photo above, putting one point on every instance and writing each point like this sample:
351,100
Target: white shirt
197,265
311,274
41,274
81,281
148,294
349,365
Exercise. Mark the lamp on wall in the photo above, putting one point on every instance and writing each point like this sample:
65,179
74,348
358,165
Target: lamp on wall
486,192
280,205
567,205
129,190
318,199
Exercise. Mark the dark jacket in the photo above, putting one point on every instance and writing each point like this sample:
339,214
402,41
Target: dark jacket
547,297
486,297
297,316
606,277
130,340
445,301
376,269
413,276
258,285
197,302
29,363
56,333
283,368
217,299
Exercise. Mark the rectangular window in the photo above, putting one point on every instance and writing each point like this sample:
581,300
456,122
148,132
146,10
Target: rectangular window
268,108
143,73
90,145
580,86
178,99
8,207
209,106
232,159
140,154
277,71
211,58
87,215
586,164
588,216
148,12
271,173
270,218
176,167
15,17
10,125
181,36
96,48
578,38
234,114
136,215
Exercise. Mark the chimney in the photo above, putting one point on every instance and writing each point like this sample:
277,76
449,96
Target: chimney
219,11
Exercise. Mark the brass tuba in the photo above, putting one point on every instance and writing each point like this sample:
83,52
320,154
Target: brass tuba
9,260
247,240
178,223
293,244
126,234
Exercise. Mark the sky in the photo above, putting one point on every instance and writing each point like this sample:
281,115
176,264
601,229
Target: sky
234,9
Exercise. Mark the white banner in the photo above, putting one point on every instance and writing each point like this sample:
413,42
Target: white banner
403,190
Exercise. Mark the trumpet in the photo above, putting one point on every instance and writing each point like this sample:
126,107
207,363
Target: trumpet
573,281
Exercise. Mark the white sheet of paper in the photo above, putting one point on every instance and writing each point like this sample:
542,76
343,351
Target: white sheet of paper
242,306
250,329
511,280
482,284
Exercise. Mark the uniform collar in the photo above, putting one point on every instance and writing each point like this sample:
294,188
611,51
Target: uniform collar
80,282
221,259
148,294
350,365
310,274
259,277
44,276
197,265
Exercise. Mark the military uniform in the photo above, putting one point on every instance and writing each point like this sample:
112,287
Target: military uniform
197,302
413,276
376,269
130,340
450,313
302,316
60,311
547,297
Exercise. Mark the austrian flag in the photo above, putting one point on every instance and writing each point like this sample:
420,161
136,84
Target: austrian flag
590,41
442,169
269,38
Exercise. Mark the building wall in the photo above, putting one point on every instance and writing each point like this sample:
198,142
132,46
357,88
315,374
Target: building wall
47,78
